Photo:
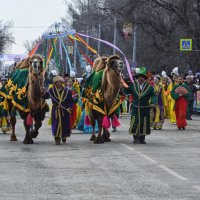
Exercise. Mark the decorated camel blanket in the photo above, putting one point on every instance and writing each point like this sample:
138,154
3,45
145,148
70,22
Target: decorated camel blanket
16,89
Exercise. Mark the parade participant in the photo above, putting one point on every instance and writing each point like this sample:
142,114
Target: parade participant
171,101
144,98
158,110
192,90
62,105
69,86
165,83
181,96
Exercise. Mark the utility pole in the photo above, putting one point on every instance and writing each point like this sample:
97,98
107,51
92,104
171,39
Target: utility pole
134,40
75,57
134,44
87,40
99,35
115,32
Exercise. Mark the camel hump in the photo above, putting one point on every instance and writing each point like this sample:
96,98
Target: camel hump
99,63
25,63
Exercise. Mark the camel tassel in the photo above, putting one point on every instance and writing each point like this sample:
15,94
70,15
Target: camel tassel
106,122
115,121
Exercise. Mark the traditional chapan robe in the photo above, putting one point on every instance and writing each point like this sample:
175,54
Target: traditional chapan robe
181,103
171,102
140,116
61,108
158,111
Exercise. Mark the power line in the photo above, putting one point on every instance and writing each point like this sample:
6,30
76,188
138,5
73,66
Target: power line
29,26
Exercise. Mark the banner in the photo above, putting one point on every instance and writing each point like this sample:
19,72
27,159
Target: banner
12,57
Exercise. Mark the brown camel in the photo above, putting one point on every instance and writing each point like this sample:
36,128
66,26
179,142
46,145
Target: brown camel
37,107
110,87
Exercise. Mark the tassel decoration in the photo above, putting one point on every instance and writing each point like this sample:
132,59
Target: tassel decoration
115,121
106,122
87,120
29,120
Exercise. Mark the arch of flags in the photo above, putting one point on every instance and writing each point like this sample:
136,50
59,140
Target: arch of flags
54,46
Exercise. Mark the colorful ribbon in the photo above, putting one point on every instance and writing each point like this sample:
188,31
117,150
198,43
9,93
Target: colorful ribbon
113,46
87,45
67,55
79,49
32,52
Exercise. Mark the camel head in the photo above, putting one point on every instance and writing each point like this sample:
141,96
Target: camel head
36,64
115,63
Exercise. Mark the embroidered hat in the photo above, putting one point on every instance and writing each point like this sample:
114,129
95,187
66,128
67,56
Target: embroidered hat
141,72
58,78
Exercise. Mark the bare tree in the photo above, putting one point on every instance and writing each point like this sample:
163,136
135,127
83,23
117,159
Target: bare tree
6,37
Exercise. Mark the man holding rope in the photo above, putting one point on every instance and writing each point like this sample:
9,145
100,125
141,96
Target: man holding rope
143,99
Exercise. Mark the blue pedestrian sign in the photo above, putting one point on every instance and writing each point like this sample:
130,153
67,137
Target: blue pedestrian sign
186,44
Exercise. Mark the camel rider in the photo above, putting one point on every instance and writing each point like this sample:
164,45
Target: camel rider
144,99
62,105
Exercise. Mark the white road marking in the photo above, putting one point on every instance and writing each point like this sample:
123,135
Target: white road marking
130,148
172,173
154,161
147,157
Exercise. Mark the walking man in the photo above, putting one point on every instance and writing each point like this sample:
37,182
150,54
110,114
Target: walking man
143,99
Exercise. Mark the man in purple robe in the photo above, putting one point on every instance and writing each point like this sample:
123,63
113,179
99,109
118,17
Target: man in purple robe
61,99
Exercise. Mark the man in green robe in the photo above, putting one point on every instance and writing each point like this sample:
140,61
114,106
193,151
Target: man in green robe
143,99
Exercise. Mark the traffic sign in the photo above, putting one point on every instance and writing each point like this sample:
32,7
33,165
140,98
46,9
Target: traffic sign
186,44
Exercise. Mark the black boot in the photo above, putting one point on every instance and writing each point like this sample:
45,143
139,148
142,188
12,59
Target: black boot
142,139
136,140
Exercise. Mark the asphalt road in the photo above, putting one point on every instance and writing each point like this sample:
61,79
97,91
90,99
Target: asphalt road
166,168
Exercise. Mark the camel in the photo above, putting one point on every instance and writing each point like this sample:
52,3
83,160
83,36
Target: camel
110,85
36,105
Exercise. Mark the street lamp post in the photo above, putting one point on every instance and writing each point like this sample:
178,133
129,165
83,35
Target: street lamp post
115,33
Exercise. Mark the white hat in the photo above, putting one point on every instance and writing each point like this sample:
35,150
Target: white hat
72,74
88,68
175,71
164,74
54,72
137,70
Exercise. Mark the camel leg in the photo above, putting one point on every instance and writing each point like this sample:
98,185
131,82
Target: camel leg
93,136
106,135
34,133
27,139
13,122
99,139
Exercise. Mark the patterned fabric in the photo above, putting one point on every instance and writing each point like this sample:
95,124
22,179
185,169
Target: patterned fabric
93,95
61,108
16,89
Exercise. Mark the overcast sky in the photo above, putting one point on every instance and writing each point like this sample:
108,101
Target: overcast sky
30,13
